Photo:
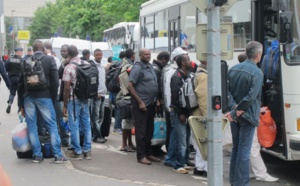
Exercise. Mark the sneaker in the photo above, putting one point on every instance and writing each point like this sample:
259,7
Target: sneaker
37,159
268,178
99,140
181,170
8,109
87,155
74,155
60,160
190,164
200,173
186,167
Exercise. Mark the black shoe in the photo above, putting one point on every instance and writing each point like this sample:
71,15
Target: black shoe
100,140
71,148
200,173
37,159
190,164
8,109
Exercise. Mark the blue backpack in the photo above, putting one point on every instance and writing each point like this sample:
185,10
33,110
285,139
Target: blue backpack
271,62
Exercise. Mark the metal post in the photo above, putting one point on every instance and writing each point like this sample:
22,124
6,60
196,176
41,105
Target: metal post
215,152
13,31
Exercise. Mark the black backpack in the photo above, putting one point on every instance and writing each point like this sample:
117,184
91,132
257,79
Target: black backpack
87,80
112,78
34,76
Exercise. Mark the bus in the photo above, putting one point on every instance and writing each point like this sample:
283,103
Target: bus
166,25
122,36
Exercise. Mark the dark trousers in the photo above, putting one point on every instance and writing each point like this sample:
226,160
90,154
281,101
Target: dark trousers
144,126
14,80
169,126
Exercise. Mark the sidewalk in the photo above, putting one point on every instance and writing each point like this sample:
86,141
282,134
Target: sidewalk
107,160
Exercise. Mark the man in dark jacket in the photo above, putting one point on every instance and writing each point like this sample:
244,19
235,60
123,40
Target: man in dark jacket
244,93
4,75
13,68
40,100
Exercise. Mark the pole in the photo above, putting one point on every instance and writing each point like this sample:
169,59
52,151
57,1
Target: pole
215,152
13,31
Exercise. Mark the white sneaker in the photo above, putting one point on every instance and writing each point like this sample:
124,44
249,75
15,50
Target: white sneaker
268,178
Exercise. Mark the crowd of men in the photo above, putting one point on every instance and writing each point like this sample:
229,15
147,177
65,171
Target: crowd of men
149,94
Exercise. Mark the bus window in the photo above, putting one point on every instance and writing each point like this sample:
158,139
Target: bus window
149,25
161,30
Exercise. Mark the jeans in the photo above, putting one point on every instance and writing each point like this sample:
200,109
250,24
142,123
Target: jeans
182,140
242,136
97,107
83,119
118,120
64,136
46,109
171,156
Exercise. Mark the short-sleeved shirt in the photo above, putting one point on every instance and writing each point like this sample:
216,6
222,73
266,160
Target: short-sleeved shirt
144,81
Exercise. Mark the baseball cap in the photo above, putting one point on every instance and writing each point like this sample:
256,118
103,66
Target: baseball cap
178,51
29,49
18,49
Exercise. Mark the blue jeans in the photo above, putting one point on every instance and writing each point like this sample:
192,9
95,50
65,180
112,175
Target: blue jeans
118,120
242,137
97,107
83,119
46,110
182,140
171,156
64,136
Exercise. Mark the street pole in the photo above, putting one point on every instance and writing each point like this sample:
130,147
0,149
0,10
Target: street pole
215,152
13,31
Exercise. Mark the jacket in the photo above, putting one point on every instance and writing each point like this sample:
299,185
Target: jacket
244,91
201,92
158,71
176,83
4,74
51,74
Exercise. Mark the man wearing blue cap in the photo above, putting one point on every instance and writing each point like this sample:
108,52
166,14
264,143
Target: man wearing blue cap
13,68
29,53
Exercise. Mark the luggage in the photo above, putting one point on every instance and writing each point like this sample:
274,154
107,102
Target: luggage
105,127
159,132
125,107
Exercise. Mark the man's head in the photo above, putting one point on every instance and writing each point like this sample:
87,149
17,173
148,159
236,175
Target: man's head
254,51
72,51
176,52
130,54
163,58
145,55
38,46
109,59
29,51
86,54
19,51
64,51
183,61
122,55
98,55
242,57
48,47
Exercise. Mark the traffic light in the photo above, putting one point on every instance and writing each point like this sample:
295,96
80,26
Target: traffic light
220,2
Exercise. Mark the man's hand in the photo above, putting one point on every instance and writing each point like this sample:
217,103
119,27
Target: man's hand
22,112
142,106
65,111
99,96
228,116
239,113
182,118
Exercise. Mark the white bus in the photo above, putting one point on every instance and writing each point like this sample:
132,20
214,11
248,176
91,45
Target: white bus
122,36
166,25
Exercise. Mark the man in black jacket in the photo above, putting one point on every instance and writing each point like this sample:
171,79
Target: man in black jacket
3,74
40,99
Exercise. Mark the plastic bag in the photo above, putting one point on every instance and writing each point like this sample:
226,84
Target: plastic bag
160,132
20,139
266,131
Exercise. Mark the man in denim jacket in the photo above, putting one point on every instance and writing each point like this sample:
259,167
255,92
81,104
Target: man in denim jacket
245,83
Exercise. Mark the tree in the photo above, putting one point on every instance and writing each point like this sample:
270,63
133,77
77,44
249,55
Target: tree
10,35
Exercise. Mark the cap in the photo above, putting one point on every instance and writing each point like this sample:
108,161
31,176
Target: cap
18,49
178,51
29,49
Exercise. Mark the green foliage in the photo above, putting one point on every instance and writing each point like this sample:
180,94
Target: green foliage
9,39
76,17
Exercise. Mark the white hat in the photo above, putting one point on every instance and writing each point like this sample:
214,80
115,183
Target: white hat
178,51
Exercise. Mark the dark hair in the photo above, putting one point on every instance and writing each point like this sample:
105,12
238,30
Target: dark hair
38,46
242,57
129,53
64,46
48,45
122,55
97,50
109,59
180,59
163,55
85,52
72,51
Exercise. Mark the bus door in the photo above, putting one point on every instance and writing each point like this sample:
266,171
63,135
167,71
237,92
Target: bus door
174,28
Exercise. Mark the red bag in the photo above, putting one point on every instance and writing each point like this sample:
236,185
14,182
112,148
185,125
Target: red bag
266,131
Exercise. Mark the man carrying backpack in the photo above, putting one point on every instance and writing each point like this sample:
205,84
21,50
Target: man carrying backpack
13,68
97,103
38,86
77,109
180,135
